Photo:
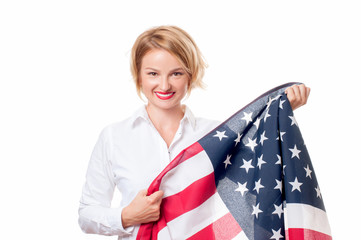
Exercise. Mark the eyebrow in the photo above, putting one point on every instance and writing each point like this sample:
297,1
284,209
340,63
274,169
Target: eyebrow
173,70
149,68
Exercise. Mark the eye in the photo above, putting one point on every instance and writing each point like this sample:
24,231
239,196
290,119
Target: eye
152,74
177,73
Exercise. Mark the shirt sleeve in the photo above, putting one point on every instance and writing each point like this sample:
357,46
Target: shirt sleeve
95,212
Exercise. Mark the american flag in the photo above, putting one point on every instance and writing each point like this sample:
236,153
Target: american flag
250,178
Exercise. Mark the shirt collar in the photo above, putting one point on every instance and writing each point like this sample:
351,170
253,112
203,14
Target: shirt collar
188,115
141,114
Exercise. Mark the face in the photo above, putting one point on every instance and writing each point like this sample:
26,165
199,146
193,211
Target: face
163,80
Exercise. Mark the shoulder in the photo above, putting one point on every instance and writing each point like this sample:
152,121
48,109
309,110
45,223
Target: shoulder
204,126
204,123
200,124
118,126
125,126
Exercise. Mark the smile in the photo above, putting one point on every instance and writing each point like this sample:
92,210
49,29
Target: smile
164,95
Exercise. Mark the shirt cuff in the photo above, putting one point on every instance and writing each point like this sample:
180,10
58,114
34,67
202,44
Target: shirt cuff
127,230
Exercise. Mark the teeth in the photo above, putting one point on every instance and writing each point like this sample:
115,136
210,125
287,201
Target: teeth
164,95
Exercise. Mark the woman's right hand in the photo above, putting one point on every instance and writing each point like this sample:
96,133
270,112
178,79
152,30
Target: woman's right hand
142,209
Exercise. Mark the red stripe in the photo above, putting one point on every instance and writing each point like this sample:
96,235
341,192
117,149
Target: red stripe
146,231
186,200
225,228
184,155
308,234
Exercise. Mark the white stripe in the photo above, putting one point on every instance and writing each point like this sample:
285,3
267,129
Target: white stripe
307,217
241,236
186,173
193,221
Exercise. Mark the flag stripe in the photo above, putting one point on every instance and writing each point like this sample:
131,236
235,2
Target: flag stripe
308,217
190,170
225,228
241,236
301,234
184,155
195,220
176,204
150,230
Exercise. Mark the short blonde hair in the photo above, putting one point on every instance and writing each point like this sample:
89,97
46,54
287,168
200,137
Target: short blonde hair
177,42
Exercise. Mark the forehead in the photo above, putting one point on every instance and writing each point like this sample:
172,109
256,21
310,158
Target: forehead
160,58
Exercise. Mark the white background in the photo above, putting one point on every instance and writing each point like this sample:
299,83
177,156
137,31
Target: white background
64,71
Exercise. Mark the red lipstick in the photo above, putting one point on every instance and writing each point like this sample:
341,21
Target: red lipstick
164,95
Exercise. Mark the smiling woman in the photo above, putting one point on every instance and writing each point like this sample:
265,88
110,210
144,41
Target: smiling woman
163,81
166,65
178,43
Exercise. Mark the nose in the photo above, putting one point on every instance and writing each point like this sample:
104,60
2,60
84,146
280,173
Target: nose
164,84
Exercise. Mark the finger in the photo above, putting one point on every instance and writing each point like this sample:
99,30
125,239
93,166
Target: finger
156,196
308,92
303,93
289,91
292,97
297,92
143,192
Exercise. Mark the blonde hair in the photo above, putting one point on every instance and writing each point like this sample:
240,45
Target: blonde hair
177,42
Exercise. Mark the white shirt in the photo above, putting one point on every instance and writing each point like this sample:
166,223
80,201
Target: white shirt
129,155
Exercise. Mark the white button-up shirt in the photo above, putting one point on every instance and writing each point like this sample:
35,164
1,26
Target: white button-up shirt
129,155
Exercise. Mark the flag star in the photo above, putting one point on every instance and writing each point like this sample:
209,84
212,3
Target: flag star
296,185
276,235
220,135
248,117
277,97
281,103
281,135
252,143
295,152
227,161
266,116
308,171
279,160
258,186
318,191
247,165
238,139
270,100
284,166
256,210
294,122
278,210
263,138
260,161
242,188
279,185
257,122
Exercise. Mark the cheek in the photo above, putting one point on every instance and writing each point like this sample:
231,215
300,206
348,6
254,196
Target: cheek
144,83
181,85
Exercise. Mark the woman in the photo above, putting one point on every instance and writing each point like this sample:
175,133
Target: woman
166,65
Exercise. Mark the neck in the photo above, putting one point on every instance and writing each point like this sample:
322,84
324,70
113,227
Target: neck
166,121
165,118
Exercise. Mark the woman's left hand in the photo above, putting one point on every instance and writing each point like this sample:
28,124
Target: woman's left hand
297,95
